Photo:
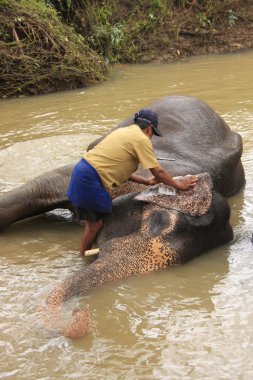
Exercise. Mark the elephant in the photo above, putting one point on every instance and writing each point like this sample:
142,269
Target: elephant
154,227
196,139
148,230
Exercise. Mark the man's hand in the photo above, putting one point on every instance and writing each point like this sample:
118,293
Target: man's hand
187,181
181,183
161,176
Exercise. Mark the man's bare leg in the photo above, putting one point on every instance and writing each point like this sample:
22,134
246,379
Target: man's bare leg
89,234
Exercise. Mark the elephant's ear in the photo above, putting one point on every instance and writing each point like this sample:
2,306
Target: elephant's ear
195,202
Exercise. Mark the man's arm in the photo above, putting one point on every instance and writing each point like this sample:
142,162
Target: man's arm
145,181
161,175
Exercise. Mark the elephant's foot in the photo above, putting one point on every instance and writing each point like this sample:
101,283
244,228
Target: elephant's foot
80,324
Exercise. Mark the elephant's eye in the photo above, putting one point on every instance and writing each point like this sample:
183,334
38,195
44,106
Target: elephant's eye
158,220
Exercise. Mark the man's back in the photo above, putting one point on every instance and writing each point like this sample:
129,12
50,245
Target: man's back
117,156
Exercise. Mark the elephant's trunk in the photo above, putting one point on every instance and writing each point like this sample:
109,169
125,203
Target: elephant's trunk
119,259
108,268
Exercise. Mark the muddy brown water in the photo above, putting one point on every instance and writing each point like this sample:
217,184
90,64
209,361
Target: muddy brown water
192,322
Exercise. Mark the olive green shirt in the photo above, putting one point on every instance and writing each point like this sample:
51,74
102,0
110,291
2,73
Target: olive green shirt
117,157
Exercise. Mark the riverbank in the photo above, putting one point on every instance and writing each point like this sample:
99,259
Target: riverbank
191,43
201,32
73,44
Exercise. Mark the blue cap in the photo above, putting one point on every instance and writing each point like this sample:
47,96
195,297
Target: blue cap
146,117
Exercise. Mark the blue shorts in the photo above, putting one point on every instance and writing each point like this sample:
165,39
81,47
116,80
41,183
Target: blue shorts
87,193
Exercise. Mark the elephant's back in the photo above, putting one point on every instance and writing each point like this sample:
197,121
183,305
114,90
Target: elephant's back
189,120
196,139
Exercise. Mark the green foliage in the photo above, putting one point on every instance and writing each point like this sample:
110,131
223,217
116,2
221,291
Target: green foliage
4,3
105,36
203,20
214,10
39,54
156,5
120,30
62,6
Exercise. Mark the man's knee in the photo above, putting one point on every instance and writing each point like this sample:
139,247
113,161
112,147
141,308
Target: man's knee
93,226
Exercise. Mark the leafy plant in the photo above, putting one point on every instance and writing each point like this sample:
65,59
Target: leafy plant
232,17
203,19
105,36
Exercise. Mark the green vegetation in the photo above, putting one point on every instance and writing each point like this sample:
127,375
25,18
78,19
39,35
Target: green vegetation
144,30
50,45
39,54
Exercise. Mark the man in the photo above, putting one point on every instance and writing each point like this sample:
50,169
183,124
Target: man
112,162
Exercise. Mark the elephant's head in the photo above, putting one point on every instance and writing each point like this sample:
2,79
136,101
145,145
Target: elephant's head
165,227
148,230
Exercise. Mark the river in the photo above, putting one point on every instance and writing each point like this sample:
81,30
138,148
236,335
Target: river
191,322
